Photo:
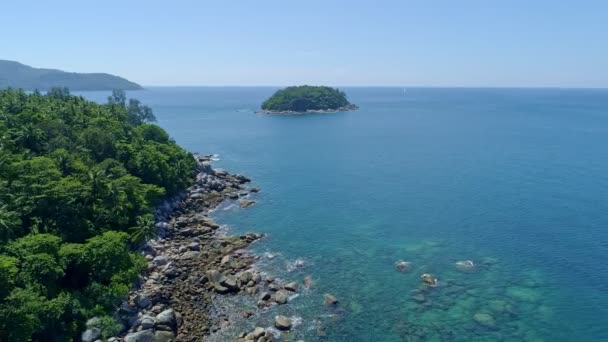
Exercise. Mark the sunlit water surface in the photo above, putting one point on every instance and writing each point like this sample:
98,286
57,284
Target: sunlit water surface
515,180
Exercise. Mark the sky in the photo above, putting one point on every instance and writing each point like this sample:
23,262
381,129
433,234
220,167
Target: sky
541,43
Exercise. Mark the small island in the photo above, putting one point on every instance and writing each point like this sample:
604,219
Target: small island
307,99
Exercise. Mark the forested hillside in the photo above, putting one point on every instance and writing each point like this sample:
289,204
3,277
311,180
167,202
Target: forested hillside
78,183
16,75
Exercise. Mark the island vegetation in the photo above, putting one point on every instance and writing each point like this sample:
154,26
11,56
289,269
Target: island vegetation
78,185
20,76
303,99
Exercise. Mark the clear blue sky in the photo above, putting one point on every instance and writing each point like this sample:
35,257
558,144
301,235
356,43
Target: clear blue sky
404,43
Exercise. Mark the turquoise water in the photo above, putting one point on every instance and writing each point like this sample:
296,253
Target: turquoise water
513,179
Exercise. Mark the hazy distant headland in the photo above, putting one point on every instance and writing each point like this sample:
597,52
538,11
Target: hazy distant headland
307,99
21,76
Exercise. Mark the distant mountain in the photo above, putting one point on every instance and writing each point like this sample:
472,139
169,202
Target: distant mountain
17,75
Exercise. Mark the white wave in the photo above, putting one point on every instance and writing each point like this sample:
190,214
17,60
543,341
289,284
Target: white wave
298,264
230,206
295,321
270,255
274,331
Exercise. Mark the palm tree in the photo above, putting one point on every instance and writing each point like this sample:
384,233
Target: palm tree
144,230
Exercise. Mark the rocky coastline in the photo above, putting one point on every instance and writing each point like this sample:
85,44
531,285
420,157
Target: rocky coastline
350,107
190,264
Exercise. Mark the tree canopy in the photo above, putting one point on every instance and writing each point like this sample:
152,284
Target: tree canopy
78,185
305,98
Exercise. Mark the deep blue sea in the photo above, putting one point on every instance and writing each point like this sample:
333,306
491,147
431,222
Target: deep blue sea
515,180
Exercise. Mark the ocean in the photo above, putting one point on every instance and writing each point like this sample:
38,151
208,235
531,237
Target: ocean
514,180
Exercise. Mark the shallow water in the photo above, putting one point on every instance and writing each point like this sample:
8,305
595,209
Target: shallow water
512,179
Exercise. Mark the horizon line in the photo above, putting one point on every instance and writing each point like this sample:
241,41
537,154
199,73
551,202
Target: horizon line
383,86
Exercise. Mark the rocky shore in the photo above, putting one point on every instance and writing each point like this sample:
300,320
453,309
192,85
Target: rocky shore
189,264
348,108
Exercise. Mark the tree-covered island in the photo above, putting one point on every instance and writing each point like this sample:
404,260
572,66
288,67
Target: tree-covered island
307,99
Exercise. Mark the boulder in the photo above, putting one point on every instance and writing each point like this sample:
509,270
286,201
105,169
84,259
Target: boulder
179,319
166,317
229,282
244,203
330,300
215,276
146,322
293,286
140,336
205,167
280,298
429,279
258,332
220,289
91,335
282,322
190,255
93,322
142,301
160,260
171,272
163,336
226,259
245,277
264,296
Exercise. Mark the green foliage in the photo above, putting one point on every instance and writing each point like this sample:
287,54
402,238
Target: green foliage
78,183
303,98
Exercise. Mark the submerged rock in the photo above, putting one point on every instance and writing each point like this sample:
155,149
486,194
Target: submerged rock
524,294
307,282
485,319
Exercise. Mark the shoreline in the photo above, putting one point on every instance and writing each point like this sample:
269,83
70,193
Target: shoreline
348,108
191,266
